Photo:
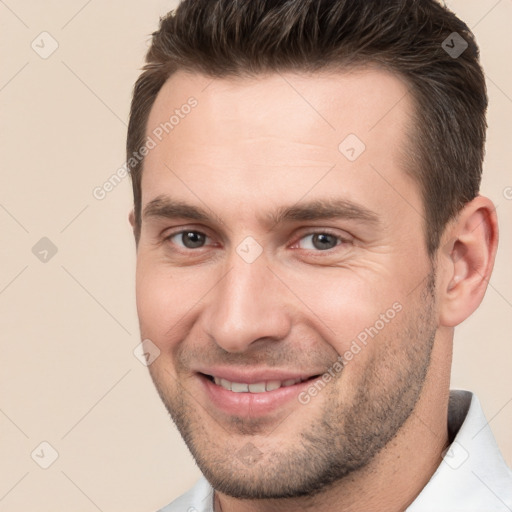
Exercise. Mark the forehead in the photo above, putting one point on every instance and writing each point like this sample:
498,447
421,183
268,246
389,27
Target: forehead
279,135
328,103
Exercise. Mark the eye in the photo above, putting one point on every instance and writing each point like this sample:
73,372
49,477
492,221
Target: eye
189,239
321,241
318,241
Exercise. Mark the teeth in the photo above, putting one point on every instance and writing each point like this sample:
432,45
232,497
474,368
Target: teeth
258,387
225,384
239,388
273,384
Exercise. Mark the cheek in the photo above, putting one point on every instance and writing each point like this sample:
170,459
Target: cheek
344,304
163,302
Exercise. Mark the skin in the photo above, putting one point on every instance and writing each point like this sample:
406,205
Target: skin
373,437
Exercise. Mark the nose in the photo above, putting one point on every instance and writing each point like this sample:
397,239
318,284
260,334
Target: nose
249,304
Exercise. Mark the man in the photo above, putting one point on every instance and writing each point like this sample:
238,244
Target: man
309,232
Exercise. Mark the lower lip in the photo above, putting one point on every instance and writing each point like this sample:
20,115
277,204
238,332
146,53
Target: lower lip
252,404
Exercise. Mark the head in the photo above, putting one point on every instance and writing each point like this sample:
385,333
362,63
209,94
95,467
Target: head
259,131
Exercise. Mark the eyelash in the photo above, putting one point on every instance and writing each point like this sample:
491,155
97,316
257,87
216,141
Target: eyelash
342,240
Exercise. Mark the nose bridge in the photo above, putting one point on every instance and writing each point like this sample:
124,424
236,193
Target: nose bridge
248,304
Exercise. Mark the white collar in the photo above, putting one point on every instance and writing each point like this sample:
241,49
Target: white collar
473,477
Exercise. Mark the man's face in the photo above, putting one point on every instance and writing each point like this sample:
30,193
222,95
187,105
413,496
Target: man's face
245,295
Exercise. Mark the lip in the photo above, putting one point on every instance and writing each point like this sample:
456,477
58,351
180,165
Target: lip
254,375
252,404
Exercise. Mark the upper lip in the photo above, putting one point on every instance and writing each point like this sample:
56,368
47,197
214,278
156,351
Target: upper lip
254,375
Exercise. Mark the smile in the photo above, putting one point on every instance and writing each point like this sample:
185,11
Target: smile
259,397
258,387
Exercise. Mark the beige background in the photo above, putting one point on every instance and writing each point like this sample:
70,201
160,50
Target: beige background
69,326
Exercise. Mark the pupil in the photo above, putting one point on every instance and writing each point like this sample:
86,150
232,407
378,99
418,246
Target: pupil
193,239
323,238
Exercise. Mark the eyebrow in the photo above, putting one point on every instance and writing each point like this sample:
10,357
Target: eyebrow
319,209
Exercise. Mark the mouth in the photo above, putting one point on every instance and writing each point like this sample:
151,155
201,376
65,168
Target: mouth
259,398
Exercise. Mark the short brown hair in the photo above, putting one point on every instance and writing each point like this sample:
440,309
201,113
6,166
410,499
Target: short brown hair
411,38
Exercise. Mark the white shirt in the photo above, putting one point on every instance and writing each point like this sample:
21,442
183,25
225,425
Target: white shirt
473,477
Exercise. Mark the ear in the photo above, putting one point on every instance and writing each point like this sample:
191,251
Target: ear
467,258
133,223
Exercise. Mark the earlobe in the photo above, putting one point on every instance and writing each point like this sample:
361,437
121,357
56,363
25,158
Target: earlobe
131,218
468,260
